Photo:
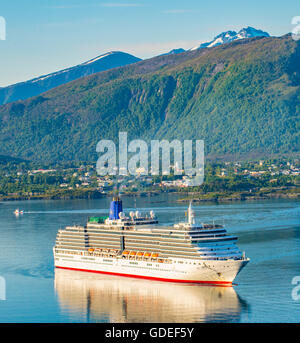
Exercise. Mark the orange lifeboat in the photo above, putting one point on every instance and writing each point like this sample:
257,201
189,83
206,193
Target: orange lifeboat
125,252
155,255
147,254
140,253
91,250
132,253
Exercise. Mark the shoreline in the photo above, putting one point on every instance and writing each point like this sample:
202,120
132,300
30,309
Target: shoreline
264,194
186,196
233,199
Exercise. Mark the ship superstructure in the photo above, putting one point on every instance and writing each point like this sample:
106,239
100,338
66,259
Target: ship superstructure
137,246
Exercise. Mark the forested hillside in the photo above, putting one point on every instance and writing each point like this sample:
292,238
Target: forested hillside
242,98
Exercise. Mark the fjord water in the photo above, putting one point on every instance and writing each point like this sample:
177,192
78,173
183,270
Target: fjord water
269,232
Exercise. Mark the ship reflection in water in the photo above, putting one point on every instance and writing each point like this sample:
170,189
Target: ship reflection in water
102,298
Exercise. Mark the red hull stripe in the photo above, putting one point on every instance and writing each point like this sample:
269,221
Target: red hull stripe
150,277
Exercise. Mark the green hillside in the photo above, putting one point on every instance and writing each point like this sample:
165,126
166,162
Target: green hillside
242,98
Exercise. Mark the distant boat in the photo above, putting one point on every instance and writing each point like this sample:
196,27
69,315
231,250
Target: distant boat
17,212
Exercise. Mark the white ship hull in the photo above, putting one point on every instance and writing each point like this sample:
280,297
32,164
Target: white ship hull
179,270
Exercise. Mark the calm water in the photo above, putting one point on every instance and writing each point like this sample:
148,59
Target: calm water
269,232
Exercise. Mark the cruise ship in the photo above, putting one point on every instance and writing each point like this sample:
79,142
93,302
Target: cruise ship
135,245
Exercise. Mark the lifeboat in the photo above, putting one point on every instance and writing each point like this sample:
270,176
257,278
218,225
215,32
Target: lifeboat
91,250
132,253
147,254
125,252
154,255
140,253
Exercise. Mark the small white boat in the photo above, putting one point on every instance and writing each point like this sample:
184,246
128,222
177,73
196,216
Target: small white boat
17,212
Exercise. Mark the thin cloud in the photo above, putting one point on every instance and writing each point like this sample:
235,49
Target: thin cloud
121,5
65,6
176,11
150,49
108,4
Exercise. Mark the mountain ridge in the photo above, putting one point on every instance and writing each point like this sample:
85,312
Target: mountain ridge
109,60
242,98
43,83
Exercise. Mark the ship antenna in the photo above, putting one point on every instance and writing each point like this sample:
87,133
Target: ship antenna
191,214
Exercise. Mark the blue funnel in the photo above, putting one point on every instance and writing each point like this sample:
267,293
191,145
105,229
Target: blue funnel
115,208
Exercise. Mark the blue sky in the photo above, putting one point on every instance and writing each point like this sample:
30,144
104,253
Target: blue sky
44,36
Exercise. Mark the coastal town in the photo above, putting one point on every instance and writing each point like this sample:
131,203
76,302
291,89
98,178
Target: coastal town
22,180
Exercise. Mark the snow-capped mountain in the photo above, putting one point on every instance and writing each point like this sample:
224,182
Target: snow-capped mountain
230,36
113,59
36,86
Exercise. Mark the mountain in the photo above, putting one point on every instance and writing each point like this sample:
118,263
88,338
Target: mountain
110,60
175,51
230,36
242,98
27,89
